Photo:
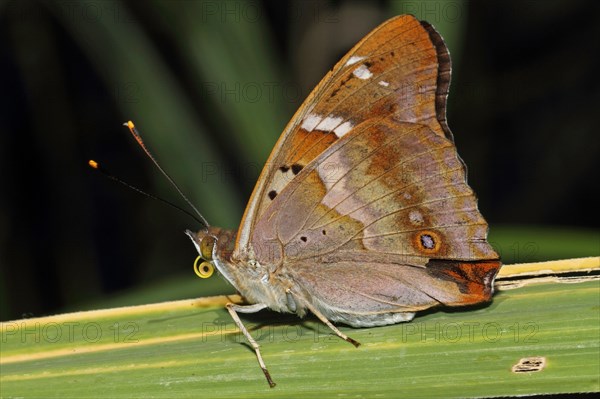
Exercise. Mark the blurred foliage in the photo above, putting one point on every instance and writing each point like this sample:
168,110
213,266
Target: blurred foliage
211,84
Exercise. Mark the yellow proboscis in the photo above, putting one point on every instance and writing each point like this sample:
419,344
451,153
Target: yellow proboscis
204,269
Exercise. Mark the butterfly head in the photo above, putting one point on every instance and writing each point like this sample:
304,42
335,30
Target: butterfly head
214,246
205,244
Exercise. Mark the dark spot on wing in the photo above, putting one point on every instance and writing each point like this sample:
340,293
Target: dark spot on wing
335,91
272,194
296,168
303,238
346,82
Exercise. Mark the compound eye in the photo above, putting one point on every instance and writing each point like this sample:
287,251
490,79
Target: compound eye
206,247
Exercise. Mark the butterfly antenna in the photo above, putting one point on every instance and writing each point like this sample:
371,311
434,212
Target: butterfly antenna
96,165
139,140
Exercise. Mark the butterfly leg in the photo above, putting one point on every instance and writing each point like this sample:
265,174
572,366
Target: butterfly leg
324,319
233,309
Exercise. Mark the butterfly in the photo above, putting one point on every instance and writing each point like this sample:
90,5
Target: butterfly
362,215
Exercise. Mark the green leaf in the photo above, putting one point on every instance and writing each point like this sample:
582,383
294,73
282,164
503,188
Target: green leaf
191,348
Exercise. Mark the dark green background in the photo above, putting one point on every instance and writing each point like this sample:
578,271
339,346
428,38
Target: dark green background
211,85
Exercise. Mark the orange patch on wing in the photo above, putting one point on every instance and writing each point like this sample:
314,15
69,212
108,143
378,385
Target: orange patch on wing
474,279
308,145
386,158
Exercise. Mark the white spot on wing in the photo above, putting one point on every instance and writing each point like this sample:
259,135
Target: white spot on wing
416,218
343,128
354,59
362,72
427,241
310,122
383,83
329,123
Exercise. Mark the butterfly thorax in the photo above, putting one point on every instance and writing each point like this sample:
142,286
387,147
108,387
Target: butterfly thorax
256,282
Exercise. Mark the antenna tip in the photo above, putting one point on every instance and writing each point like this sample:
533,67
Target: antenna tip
129,124
93,164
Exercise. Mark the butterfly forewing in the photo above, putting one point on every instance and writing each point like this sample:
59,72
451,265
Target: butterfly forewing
392,71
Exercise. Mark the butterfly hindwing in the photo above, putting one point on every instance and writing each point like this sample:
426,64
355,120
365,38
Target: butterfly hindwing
372,293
